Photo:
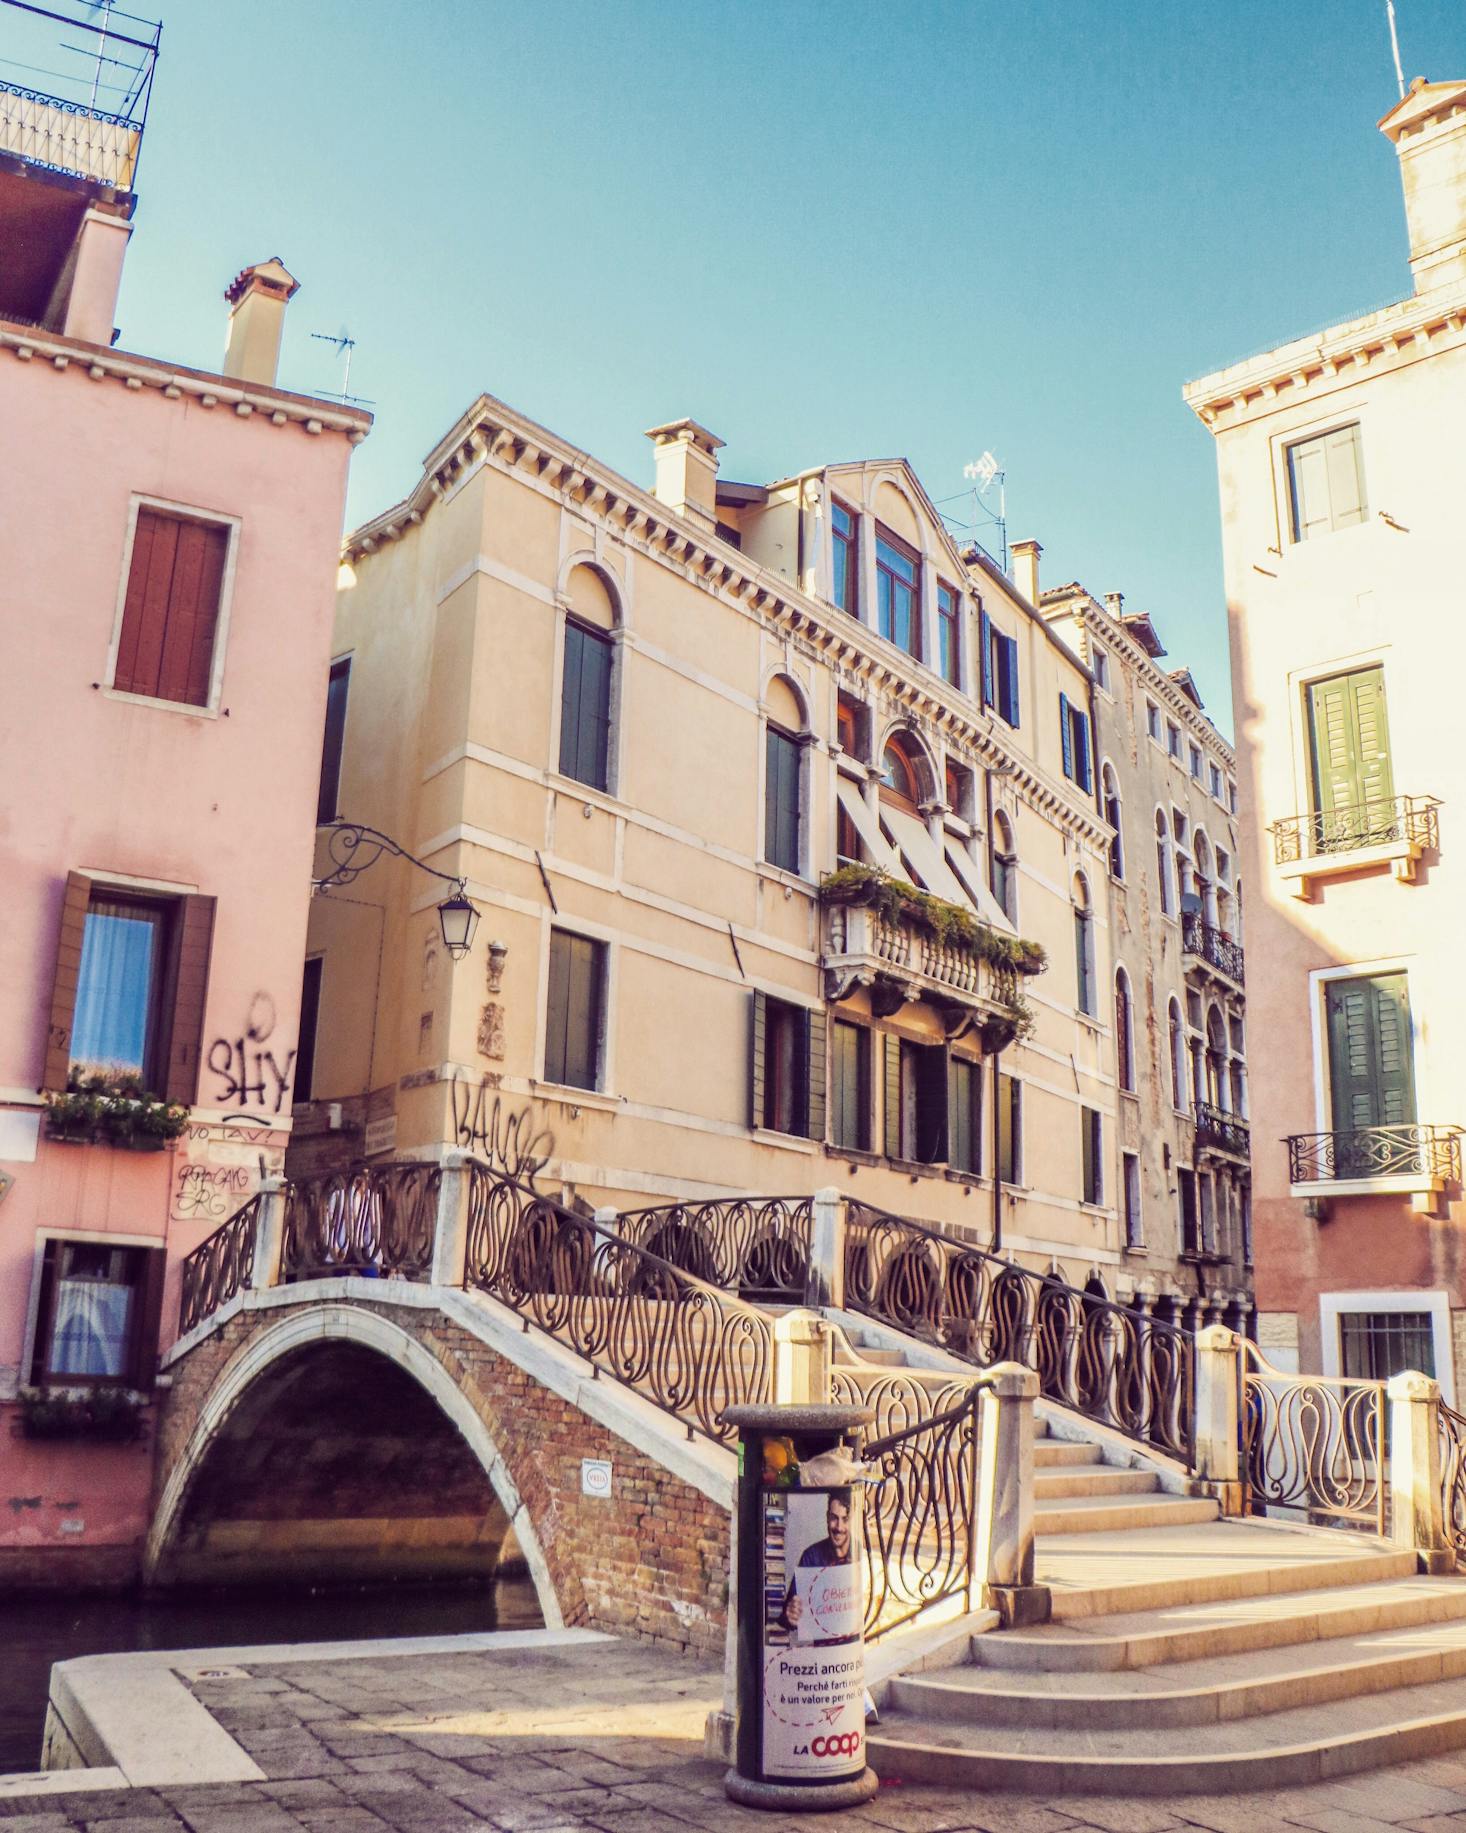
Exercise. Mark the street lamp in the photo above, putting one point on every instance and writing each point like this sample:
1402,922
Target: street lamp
353,848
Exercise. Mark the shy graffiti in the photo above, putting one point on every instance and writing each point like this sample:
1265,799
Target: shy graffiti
511,1142
249,1072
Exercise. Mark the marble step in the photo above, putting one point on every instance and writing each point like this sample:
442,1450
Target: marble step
1108,1514
1087,1480
1286,1749
852,1356
1051,1453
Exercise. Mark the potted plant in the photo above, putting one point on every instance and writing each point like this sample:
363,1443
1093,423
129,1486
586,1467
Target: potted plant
111,1414
155,1124
73,1117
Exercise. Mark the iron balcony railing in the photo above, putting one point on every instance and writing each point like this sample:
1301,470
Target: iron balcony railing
88,122
1368,1152
1221,1131
1212,945
1385,821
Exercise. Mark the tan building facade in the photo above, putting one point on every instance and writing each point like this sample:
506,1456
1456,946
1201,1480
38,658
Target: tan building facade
1340,468
686,746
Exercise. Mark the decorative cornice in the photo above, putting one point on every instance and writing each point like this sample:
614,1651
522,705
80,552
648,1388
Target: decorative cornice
491,433
208,389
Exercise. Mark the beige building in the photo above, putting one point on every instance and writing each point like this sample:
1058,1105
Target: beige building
679,743
1340,469
1168,788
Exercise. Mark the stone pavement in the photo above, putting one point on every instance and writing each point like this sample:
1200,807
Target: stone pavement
603,1738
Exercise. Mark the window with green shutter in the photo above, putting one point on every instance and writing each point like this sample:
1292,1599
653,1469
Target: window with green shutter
850,1086
585,706
1010,1129
964,1115
916,1101
574,1001
787,1068
1091,1124
1326,483
1349,755
1371,1056
781,800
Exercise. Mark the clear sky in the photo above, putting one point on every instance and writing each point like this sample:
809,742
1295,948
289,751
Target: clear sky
828,229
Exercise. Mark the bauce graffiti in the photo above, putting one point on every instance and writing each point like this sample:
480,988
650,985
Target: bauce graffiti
247,1071
508,1141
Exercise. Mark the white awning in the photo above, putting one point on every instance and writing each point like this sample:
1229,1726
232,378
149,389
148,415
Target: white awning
865,824
925,855
969,872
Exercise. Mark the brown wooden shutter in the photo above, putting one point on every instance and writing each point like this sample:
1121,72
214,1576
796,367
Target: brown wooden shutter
815,1086
893,1096
171,611
148,1317
74,902
45,1313
190,990
757,1040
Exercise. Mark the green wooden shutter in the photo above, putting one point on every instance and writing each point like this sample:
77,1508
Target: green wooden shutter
1086,1146
893,1096
1371,1060
1066,736
1350,742
1008,678
814,1037
931,1104
570,693
985,626
757,1037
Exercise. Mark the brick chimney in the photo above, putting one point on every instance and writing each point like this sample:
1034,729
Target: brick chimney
687,470
1428,132
1025,569
257,301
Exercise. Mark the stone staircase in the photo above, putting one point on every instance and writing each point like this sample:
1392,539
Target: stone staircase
1186,1653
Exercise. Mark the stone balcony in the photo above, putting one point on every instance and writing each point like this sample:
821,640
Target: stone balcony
899,961
1412,1160
1219,1131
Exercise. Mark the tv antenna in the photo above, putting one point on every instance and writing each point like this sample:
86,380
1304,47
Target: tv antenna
102,58
982,474
1395,46
344,343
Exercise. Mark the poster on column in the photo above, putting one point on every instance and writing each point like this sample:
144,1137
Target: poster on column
814,1654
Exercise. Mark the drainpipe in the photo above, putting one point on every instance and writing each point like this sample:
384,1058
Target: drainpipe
997,1241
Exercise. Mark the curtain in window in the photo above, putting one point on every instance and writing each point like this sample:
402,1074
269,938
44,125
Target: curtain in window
120,955
91,1328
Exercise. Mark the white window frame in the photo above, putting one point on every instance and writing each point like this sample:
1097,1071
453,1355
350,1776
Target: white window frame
616,636
1318,981
1332,1306
603,1094
192,513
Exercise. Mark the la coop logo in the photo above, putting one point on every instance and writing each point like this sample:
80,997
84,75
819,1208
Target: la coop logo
845,1745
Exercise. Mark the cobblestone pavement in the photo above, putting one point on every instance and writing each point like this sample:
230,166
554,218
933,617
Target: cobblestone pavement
605,1739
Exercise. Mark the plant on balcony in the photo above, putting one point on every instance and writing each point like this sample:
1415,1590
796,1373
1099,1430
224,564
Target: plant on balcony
116,1109
114,1415
898,902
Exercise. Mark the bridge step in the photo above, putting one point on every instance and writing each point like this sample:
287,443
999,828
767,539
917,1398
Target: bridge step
1049,1453
1092,1514
1086,1480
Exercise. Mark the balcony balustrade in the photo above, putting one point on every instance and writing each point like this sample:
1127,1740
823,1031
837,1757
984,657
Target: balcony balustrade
901,961
1414,1160
1219,1131
1203,945
1390,830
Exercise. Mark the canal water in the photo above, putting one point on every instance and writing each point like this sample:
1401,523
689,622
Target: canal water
35,1632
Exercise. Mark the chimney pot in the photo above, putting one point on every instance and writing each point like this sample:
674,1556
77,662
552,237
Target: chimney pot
687,470
257,299
1115,605
1428,131
1025,569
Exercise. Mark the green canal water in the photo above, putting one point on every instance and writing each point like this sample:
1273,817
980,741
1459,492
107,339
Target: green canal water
35,1632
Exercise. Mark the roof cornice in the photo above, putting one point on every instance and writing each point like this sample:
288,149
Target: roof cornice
491,433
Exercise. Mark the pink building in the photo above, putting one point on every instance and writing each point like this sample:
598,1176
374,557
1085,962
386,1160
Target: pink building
168,557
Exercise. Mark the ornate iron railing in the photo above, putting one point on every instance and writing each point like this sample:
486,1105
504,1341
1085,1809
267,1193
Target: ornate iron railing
1452,1427
375,1221
920,1508
1222,1131
678,1341
1314,1443
1218,950
758,1246
219,1268
1385,821
1111,1364
1403,1151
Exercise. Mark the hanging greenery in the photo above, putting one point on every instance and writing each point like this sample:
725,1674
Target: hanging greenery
899,902
110,1413
116,1109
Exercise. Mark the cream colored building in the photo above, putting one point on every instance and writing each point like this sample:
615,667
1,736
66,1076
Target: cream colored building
1168,787
644,726
1340,463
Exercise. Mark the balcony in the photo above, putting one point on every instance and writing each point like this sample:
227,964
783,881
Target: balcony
91,124
900,961
1207,949
1219,1131
1413,1161
1392,830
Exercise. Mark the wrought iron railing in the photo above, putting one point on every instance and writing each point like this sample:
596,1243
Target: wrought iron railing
219,1268
1384,821
375,1221
921,1505
758,1246
1367,1152
1222,1131
1212,945
1113,1365
1452,1428
1314,1443
678,1341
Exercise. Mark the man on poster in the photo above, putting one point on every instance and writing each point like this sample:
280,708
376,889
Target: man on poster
813,1603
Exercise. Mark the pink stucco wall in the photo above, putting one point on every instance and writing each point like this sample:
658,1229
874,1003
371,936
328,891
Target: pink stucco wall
224,805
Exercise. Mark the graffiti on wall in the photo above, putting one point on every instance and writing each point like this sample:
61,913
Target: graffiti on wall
511,1142
249,1072
219,1167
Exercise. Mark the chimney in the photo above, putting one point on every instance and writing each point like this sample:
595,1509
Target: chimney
1115,605
687,470
1428,131
1025,569
257,302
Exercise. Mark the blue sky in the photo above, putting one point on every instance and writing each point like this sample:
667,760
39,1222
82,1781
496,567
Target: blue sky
828,229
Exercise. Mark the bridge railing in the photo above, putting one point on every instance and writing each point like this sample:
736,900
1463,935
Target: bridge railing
375,1220
755,1246
221,1267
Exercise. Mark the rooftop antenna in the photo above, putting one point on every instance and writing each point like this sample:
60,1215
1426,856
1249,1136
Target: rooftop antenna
1395,46
102,46
345,343
982,474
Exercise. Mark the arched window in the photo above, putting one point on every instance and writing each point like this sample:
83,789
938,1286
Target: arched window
1205,881
1003,866
1218,1093
783,777
1124,1032
586,679
1110,789
1163,863
1084,987
1178,1058
900,774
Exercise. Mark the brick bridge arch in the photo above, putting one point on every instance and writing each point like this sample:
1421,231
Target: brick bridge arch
384,1438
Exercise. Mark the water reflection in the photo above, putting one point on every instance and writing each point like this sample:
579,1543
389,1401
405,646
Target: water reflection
35,1632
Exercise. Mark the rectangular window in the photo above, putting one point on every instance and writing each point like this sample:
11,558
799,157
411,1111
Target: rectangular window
845,553
1100,663
781,799
1214,782
1231,796
1153,720
898,592
1010,1129
949,633
1092,1140
1194,761
850,1090
310,1012
1074,733
999,670
585,706
964,1115
1186,1186
1208,1214
1375,1345
573,1010
1173,739
1084,988
1371,1056
117,1024
787,1068
328,796
916,1101
170,613
1244,1221
1326,483
1134,1220
1349,758
98,1316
